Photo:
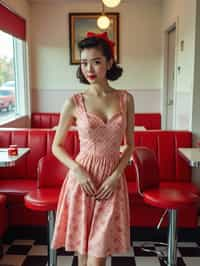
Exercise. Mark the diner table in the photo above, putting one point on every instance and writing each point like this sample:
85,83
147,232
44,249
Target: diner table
10,160
192,155
139,128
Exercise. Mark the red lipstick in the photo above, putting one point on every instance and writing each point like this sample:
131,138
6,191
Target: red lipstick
91,76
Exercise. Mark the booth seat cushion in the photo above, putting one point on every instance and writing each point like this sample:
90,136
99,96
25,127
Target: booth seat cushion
15,189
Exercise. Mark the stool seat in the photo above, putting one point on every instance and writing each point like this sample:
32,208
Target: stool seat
43,199
169,198
184,186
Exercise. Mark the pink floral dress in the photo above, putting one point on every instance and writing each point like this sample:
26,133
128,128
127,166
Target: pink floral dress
83,224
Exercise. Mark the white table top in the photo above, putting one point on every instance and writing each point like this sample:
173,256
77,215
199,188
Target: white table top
7,160
192,155
139,128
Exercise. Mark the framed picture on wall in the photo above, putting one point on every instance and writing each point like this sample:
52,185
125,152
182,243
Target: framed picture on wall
81,23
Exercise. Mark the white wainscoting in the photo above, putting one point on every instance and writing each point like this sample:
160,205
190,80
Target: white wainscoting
146,101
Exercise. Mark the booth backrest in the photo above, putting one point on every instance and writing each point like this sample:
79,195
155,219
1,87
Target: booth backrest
165,144
148,120
50,120
39,141
44,120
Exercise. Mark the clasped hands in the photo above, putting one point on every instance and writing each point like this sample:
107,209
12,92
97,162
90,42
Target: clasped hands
103,192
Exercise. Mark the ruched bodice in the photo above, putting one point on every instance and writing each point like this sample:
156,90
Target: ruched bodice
95,227
100,138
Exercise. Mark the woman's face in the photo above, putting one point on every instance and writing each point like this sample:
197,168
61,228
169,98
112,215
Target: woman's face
94,65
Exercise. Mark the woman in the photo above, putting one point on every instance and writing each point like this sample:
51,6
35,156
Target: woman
93,210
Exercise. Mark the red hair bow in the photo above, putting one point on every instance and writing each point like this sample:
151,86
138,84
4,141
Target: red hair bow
103,36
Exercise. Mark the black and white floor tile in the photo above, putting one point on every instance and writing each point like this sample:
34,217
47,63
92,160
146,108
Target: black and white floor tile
21,250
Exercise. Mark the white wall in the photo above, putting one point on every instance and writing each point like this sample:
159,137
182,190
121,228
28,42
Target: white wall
184,13
54,79
21,7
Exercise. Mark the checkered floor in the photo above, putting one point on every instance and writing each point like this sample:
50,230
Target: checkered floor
28,252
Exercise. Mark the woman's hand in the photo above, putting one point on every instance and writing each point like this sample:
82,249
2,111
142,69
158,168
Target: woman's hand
107,187
84,181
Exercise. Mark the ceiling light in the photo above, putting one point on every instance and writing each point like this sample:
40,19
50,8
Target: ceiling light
103,22
111,3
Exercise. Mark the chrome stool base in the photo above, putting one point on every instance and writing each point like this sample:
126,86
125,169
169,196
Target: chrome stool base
171,259
52,254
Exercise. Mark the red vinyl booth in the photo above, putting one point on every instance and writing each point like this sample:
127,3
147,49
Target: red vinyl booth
16,182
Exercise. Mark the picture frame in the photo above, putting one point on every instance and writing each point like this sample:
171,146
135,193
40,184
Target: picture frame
81,23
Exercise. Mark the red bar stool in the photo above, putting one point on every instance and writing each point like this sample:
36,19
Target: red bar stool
51,174
172,199
3,219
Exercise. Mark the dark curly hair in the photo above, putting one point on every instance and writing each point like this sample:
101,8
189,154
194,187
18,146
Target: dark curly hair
94,42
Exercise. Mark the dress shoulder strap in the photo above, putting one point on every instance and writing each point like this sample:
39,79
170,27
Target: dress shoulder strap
123,100
77,98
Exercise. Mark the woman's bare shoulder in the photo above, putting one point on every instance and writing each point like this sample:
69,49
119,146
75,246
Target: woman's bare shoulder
69,104
130,96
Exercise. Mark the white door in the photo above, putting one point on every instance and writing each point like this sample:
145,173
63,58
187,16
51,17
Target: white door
170,78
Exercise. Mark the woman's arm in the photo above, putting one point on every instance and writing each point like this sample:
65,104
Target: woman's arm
66,117
129,146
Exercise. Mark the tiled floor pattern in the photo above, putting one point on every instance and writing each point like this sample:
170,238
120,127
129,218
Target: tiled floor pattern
27,252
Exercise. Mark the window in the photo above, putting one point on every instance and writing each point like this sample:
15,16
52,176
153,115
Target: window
12,77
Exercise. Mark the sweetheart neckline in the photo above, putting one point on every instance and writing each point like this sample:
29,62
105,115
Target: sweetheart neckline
118,114
98,117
